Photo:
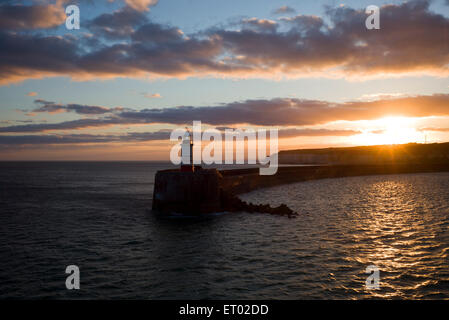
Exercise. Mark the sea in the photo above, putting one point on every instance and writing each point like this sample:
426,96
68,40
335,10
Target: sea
351,233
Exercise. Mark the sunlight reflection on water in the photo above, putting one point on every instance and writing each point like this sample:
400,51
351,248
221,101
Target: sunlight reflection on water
399,223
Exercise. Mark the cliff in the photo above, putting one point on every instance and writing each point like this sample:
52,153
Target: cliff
384,154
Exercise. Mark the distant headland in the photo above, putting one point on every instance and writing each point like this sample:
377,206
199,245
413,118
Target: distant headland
379,154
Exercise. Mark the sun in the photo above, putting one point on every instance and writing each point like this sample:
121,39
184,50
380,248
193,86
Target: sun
389,130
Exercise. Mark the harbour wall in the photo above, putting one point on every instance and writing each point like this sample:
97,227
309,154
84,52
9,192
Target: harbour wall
246,180
209,190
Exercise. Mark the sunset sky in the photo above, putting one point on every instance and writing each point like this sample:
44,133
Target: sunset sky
137,69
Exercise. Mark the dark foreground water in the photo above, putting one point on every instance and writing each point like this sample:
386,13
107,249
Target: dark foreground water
96,216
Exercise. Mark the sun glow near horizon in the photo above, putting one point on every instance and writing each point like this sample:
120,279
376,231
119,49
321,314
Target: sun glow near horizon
390,130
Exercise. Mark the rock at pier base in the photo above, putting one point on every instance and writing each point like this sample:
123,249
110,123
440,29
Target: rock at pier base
231,202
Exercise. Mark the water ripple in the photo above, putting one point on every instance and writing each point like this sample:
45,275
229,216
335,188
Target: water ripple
97,216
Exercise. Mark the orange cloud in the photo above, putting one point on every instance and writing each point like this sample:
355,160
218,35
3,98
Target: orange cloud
435,129
152,95
141,5
280,112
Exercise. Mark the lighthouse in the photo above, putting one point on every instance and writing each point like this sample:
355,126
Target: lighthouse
187,153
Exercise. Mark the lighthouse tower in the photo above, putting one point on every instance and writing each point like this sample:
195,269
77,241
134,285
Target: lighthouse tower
187,153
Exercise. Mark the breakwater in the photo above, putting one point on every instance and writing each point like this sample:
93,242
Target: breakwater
209,190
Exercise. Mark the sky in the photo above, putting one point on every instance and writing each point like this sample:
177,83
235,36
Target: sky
137,69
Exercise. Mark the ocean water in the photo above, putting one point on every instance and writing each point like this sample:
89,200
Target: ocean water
97,216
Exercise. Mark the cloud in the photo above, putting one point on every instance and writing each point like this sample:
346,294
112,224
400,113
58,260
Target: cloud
21,17
381,96
259,25
30,56
152,95
153,33
288,111
305,23
67,125
293,132
277,112
411,40
51,107
303,132
435,129
32,94
379,131
141,5
52,139
284,10
117,25
83,138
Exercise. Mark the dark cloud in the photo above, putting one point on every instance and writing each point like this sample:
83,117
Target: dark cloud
21,140
51,139
411,39
117,25
67,125
21,17
285,112
148,136
51,107
170,58
275,112
84,138
153,33
224,128
304,23
30,56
